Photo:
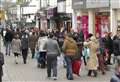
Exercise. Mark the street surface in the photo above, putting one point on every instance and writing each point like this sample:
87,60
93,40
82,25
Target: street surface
30,73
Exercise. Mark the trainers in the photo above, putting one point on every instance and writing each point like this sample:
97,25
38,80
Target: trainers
54,78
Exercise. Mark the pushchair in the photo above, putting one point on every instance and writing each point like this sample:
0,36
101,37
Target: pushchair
42,59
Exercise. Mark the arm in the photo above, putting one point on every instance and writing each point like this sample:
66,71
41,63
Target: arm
58,48
64,46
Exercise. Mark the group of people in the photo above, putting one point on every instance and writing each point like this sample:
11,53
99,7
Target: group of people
95,51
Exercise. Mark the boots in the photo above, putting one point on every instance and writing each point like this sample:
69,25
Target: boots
95,73
16,60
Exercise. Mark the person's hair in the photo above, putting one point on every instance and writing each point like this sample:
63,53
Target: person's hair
51,35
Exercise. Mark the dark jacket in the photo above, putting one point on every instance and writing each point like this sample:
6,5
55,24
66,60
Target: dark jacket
108,44
116,47
9,36
24,41
115,78
1,63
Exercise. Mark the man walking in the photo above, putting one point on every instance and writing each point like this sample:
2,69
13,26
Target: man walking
53,51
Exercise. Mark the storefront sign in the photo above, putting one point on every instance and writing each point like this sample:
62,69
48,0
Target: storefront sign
78,4
97,3
49,13
61,7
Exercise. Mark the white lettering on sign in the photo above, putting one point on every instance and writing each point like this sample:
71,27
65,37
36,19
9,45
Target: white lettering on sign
78,3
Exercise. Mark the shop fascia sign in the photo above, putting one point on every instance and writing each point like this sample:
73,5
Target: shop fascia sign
78,4
97,3
61,6
50,13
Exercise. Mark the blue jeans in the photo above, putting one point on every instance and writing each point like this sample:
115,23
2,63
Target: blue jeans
8,47
69,67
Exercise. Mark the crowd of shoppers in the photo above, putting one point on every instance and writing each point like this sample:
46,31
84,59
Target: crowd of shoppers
94,50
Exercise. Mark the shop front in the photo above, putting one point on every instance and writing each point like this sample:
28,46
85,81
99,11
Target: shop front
102,23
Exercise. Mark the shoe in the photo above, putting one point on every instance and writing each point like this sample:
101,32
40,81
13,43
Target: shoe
54,78
70,79
49,77
103,73
38,65
24,62
16,63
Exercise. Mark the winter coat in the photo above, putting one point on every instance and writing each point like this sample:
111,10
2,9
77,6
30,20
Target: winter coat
93,46
115,78
70,46
108,44
9,36
41,42
16,46
32,41
116,47
1,63
24,41
52,48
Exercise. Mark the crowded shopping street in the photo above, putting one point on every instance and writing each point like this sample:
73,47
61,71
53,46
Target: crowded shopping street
59,40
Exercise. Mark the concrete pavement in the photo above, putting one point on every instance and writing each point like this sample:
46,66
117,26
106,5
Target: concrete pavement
30,73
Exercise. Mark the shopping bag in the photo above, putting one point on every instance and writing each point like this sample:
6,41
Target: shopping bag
36,56
76,64
60,61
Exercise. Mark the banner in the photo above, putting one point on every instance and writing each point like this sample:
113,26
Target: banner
83,25
102,25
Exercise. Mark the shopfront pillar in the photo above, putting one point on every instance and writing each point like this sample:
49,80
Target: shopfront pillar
113,21
74,20
90,21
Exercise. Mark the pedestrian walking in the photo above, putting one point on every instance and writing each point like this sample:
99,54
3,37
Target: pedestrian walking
69,49
100,54
8,40
92,63
1,65
32,43
53,51
16,47
116,47
24,45
42,52
116,76
108,47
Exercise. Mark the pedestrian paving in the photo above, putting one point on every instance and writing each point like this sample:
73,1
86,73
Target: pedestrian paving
30,73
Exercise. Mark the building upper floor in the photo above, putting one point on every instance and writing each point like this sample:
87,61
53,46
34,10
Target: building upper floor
83,4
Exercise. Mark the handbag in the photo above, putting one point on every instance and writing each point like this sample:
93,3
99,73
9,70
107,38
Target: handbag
76,64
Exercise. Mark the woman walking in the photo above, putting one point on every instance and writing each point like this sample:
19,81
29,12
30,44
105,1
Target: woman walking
70,50
32,43
92,63
16,46
24,46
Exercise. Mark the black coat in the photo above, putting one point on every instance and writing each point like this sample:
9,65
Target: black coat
9,36
1,63
116,47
